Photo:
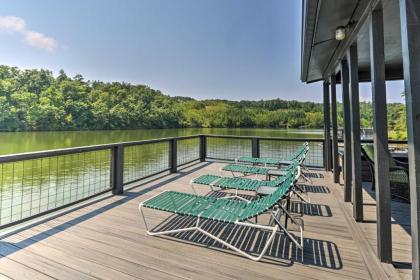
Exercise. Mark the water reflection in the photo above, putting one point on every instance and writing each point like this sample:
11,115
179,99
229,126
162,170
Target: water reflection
35,186
19,142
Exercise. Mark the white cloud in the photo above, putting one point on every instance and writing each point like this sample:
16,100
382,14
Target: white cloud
12,24
31,38
40,40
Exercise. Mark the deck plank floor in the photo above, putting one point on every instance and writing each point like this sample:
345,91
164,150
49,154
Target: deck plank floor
401,237
107,240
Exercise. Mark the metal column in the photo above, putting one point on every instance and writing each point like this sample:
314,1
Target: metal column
356,157
346,135
380,136
334,130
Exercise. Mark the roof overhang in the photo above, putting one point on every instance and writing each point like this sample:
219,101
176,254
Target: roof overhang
321,53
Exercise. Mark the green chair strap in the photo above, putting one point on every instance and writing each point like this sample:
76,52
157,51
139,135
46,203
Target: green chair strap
207,179
301,151
250,169
246,169
226,210
238,183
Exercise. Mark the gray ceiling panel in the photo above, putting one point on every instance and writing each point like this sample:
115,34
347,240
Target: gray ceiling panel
334,13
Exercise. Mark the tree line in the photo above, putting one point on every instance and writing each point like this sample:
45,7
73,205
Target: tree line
36,100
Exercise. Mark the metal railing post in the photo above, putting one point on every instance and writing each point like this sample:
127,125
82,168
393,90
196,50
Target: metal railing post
255,147
203,148
117,169
173,157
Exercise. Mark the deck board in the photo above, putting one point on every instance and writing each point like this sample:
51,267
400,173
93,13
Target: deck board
107,240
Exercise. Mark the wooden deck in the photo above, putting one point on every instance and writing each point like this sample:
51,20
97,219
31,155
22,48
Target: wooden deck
107,240
401,231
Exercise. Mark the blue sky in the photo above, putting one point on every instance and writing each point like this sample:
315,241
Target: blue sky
233,49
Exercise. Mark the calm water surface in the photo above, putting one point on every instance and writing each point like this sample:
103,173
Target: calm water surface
19,142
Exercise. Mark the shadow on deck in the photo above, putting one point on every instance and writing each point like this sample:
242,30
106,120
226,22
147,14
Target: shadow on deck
320,253
7,248
329,248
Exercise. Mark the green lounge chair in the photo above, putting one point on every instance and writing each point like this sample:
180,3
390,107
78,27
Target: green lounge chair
260,187
267,161
227,211
239,183
247,170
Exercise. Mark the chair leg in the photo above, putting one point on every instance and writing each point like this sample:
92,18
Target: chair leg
192,186
301,197
165,232
305,168
284,228
288,208
305,178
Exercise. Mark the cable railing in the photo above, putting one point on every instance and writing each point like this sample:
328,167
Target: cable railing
223,147
144,160
36,183
188,150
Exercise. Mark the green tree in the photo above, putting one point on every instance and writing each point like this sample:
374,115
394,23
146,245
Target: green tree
36,100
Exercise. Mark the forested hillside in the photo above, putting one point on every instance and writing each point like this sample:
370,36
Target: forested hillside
36,100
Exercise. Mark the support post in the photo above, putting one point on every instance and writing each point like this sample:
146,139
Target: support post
346,136
203,148
255,147
117,169
356,156
334,129
327,132
380,136
410,30
173,158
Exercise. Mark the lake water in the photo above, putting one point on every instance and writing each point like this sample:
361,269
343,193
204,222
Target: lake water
30,187
19,142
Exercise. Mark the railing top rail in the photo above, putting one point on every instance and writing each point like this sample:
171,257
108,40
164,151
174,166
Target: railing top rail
151,141
49,153
266,138
75,150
